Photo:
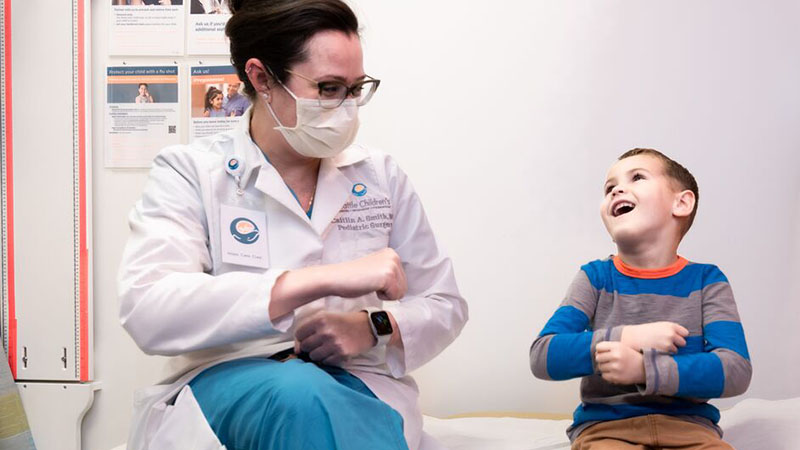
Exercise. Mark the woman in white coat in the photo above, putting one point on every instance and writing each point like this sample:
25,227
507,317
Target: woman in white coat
292,276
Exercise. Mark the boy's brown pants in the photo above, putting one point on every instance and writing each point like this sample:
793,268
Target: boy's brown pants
654,431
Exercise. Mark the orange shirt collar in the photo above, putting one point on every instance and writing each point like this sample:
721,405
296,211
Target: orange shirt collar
650,274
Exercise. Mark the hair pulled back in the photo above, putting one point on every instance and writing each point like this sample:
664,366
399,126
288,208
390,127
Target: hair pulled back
276,31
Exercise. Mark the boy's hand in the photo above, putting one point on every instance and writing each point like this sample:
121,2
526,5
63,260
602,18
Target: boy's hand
662,336
619,364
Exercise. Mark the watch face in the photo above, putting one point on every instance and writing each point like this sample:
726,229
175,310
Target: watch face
382,323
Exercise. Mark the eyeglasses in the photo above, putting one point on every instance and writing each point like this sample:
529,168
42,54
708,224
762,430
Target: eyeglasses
333,93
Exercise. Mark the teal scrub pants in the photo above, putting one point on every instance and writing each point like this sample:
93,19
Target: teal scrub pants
259,403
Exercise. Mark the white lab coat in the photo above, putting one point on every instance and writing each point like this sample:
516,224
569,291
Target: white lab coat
178,298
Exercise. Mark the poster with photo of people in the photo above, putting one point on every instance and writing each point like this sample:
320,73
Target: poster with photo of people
217,101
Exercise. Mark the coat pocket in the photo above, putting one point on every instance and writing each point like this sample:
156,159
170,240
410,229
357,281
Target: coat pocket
183,426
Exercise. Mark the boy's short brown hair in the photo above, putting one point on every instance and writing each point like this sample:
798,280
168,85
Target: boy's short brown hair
674,170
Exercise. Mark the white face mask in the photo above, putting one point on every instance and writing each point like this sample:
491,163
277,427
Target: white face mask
319,132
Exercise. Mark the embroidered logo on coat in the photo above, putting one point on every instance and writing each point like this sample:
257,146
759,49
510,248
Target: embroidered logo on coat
359,189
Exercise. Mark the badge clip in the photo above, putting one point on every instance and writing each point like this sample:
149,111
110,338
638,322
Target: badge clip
235,168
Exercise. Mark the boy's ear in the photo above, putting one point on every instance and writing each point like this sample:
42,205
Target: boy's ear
684,204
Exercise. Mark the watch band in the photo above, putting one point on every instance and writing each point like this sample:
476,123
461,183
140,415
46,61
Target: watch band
379,324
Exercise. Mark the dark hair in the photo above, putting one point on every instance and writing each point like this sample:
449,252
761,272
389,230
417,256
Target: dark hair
672,169
143,84
276,31
212,92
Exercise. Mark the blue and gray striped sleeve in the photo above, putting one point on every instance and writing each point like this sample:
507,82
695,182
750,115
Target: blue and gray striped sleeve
565,347
722,368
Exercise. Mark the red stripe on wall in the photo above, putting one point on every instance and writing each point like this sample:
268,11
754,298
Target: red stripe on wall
84,244
12,311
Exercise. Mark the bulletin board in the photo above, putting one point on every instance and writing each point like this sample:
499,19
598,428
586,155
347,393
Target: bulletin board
168,79
45,199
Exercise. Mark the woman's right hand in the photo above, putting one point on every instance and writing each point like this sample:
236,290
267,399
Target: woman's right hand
380,272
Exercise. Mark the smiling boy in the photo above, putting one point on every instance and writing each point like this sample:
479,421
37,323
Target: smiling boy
652,335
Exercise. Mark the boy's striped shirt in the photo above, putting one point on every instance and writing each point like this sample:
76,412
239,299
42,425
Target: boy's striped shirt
605,296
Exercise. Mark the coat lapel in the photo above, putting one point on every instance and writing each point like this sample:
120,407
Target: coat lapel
333,190
270,182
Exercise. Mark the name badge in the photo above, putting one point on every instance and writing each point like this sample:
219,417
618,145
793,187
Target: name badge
244,236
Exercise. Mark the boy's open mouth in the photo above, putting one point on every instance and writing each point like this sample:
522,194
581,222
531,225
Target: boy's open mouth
622,208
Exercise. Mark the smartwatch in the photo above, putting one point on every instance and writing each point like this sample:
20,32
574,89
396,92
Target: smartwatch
380,324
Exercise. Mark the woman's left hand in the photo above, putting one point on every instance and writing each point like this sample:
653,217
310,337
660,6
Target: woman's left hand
330,337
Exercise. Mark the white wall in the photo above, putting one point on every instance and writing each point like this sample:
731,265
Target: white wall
506,115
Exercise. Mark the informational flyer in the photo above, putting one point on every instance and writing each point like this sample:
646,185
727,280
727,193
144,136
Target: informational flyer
146,27
142,114
207,20
217,101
